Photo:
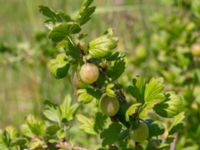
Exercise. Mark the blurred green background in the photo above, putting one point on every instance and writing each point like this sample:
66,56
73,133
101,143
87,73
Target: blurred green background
23,87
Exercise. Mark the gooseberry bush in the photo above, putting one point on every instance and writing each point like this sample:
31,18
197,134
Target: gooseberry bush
142,115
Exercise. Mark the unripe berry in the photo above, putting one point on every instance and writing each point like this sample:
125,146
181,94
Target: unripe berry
141,133
109,106
89,73
196,50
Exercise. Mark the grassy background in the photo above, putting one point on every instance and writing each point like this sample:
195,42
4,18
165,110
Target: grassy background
23,88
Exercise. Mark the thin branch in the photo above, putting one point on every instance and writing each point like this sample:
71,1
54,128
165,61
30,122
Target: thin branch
173,145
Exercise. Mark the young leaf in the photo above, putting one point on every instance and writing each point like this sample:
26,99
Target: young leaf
19,141
36,126
59,67
52,129
61,134
137,89
99,122
70,50
12,132
86,3
33,127
85,12
87,124
154,89
4,140
111,134
148,106
36,143
131,110
67,109
116,56
53,16
177,123
62,30
87,95
102,46
46,11
170,107
155,128
26,131
52,112
116,69
109,90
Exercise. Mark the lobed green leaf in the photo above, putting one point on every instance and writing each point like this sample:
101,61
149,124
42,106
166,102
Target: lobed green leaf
177,123
54,16
170,107
59,67
154,89
62,30
85,12
131,110
111,134
102,46
87,124
87,95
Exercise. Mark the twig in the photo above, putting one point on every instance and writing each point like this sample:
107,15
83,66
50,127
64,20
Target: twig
173,145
